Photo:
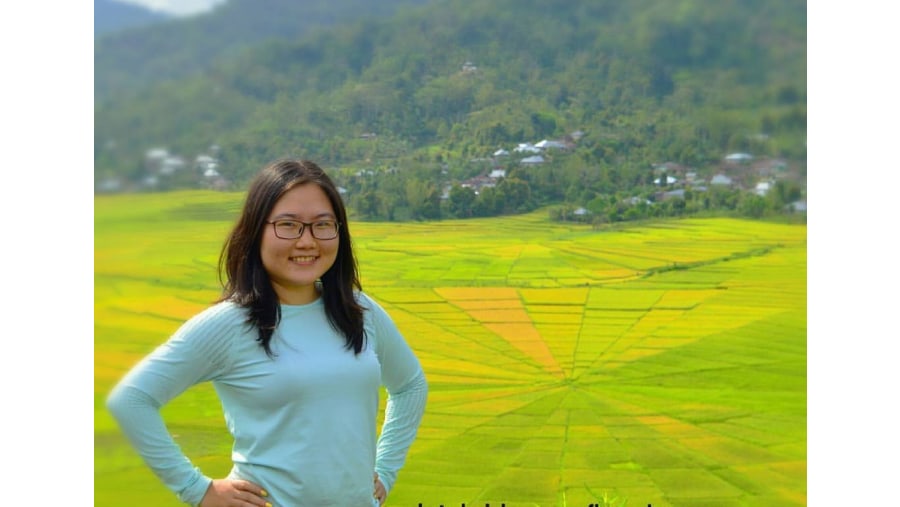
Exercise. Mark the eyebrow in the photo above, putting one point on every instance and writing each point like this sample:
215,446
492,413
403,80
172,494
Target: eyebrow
294,216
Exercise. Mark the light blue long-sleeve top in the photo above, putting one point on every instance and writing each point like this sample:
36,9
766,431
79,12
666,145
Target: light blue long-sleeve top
303,422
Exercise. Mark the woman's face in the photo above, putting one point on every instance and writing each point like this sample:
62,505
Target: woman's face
294,265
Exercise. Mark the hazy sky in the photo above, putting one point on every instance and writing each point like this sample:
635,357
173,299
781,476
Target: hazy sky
176,7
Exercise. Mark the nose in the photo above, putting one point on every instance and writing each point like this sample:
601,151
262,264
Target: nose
306,236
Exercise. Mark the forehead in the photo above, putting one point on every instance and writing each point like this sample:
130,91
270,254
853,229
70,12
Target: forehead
305,199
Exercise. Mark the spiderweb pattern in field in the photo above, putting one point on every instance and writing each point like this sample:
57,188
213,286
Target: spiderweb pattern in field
673,386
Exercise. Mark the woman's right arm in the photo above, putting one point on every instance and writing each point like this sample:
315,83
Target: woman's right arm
197,352
138,415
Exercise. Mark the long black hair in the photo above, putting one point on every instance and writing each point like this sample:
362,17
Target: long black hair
246,281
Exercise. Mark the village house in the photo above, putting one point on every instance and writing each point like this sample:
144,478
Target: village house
670,180
672,194
526,148
762,188
738,157
546,144
533,160
721,180
479,182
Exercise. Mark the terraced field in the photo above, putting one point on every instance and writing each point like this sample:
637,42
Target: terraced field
662,364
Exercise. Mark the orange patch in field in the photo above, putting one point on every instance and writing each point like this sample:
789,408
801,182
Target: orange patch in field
485,304
501,316
527,339
476,293
501,311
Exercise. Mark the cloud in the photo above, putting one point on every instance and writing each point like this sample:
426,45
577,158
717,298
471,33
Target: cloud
177,7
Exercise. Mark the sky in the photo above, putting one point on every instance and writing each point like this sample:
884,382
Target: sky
176,7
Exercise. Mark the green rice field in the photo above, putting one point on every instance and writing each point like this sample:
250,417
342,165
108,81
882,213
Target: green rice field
661,364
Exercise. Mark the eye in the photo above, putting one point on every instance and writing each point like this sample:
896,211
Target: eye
324,225
287,225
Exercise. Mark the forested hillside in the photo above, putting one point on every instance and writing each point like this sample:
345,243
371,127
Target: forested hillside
112,16
410,106
125,62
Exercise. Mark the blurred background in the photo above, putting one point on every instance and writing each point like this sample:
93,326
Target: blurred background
427,109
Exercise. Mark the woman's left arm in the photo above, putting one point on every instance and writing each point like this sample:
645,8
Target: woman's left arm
404,380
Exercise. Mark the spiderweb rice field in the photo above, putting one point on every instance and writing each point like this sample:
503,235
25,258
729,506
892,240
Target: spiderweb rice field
662,363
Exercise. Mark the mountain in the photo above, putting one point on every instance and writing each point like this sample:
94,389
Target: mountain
433,85
130,60
111,16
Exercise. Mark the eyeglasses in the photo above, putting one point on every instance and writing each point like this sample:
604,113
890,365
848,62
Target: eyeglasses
293,229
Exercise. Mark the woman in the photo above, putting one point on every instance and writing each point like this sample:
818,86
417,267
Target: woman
296,353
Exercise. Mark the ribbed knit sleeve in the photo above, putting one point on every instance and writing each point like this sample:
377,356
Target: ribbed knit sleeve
138,416
402,417
404,380
197,352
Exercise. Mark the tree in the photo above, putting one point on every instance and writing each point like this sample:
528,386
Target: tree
517,195
752,205
368,203
423,199
460,201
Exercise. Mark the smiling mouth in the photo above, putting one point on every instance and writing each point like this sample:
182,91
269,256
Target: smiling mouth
303,259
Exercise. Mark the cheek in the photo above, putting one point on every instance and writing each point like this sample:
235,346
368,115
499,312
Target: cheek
268,250
334,249
330,255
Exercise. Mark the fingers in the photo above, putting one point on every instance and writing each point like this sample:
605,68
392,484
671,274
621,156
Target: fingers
250,488
380,493
235,493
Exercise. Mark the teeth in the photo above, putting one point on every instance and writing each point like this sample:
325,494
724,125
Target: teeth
306,258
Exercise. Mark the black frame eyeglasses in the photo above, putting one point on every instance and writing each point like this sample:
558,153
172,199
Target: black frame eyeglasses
293,229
